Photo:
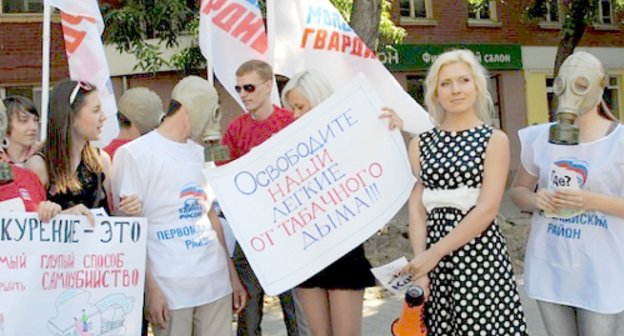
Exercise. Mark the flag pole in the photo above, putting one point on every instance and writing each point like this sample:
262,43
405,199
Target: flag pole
210,73
45,71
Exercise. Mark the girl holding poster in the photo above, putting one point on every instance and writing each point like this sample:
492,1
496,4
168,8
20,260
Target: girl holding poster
574,261
332,299
461,257
76,174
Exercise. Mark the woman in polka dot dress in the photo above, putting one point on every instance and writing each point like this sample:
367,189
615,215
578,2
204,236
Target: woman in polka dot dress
460,255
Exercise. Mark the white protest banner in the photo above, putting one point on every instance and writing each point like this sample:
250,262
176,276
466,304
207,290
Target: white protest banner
67,277
231,32
311,34
315,190
82,29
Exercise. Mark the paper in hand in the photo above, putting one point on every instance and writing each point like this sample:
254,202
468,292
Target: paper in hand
389,276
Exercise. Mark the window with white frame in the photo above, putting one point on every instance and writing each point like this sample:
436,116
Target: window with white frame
605,12
30,92
612,95
416,9
484,11
21,6
553,11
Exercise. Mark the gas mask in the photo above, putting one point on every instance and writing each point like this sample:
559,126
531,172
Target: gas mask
201,102
211,138
579,88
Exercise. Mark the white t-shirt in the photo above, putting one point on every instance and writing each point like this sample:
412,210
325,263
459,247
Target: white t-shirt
577,261
184,254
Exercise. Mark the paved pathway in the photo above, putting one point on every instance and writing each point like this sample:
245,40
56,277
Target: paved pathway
379,314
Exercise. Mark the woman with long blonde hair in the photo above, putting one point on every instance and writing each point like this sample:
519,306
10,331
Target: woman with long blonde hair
461,165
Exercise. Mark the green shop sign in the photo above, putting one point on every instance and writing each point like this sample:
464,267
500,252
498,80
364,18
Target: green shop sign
411,57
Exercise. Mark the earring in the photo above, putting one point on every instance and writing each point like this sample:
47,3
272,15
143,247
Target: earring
5,143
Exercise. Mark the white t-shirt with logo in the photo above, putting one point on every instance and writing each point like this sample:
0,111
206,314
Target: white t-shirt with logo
576,259
184,254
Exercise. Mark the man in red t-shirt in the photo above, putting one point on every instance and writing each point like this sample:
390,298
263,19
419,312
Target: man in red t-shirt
254,81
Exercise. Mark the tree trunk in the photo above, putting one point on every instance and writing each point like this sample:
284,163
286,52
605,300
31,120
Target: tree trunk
365,18
572,31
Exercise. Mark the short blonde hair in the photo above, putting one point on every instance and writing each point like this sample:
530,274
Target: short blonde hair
484,106
262,68
311,84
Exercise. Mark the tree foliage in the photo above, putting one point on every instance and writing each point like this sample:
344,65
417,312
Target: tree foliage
129,27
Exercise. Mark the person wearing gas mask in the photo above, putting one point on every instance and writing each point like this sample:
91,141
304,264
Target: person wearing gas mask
140,111
191,285
571,178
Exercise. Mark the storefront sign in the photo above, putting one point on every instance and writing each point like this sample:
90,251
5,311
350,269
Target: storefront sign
411,57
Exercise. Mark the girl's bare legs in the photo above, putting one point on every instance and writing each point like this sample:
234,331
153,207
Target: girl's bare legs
315,303
346,311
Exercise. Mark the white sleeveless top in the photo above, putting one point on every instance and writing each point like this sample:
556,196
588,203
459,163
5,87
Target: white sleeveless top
576,261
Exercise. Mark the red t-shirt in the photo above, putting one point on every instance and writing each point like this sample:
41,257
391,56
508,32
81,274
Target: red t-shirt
112,147
25,185
245,133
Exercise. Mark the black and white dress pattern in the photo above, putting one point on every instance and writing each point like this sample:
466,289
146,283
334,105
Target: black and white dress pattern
473,291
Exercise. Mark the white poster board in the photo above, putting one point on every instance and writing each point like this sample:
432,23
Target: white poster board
67,277
315,190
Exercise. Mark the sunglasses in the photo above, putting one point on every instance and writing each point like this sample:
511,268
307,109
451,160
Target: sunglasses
249,88
86,86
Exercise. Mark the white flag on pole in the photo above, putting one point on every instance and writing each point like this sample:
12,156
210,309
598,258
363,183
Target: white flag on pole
82,29
312,34
232,32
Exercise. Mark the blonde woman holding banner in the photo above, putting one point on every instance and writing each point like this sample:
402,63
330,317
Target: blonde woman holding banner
332,299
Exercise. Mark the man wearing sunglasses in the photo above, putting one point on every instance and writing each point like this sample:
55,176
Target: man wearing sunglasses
254,81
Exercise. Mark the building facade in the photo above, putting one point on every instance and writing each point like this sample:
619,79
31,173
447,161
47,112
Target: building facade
518,53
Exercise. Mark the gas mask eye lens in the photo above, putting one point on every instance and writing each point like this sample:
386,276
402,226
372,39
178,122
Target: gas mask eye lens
558,86
581,85
216,114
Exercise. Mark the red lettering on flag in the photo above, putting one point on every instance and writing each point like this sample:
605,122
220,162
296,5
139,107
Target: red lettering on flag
209,5
319,41
249,27
304,39
226,18
73,37
334,41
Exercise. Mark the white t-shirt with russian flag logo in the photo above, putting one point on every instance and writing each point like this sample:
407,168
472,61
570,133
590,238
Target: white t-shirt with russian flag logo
184,254
576,259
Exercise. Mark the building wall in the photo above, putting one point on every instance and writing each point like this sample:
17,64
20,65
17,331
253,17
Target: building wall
20,52
522,92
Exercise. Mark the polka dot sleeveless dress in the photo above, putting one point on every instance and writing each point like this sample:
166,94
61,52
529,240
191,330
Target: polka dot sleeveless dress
473,291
